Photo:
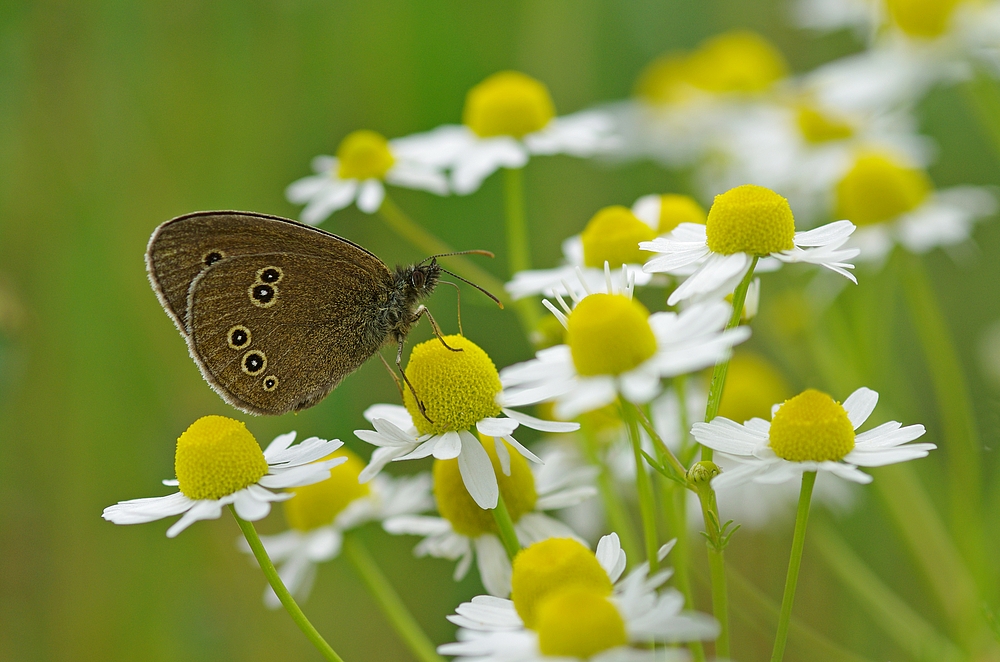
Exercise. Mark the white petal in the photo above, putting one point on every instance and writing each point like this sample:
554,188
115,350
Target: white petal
611,556
497,427
860,405
540,424
370,196
477,472
201,510
448,447
502,454
140,511
337,196
250,508
494,565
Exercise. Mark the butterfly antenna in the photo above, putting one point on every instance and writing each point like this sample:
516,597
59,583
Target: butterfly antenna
458,295
472,252
469,282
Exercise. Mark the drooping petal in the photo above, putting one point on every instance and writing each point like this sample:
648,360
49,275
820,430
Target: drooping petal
477,472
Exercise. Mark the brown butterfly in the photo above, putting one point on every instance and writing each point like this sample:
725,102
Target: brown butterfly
276,313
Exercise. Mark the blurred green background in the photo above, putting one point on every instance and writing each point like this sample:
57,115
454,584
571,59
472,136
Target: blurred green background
116,116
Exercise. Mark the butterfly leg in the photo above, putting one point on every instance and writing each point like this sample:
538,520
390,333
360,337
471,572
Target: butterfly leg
399,366
422,310
392,373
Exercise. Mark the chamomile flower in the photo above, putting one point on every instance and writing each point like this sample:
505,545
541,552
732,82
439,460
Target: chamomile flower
810,432
218,463
894,202
614,346
365,161
509,117
745,222
570,604
464,530
459,390
320,514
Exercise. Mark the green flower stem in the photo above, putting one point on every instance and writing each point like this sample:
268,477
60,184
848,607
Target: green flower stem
385,595
983,96
719,374
424,241
661,448
716,544
794,562
506,525
647,502
287,601
614,507
675,506
518,247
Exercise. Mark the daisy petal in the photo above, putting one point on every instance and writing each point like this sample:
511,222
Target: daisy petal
860,405
477,472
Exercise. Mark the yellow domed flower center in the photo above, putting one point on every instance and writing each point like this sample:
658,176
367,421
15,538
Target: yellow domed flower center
577,622
216,457
922,18
456,505
319,504
364,155
750,219
551,565
613,236
664,79
811,427
818,127
752,386
508,103
457,388
676,209
609,334
736,61
879,188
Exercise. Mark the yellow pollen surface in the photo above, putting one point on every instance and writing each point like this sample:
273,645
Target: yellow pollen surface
818,127
879,188
613,236
508,103
457,388
922,18
319,504
752,386
750,219
552,565
676,209
217,456
737,61
609,334
364,155
811,427
456,505
577,622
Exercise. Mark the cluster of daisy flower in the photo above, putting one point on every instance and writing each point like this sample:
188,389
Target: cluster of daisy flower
634,383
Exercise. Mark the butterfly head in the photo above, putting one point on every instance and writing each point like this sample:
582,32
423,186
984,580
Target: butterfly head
419,279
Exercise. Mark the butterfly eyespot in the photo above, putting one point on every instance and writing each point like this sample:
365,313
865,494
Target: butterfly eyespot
254,362
263,295
238,337
212,257
270,383
270,274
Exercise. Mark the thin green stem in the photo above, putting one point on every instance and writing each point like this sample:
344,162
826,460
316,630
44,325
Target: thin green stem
675,507
518,247
794,562
286,599
643,484
506,526
614,507
391,604
410,231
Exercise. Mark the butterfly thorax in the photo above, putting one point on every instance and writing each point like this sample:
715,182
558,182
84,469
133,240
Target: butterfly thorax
410,284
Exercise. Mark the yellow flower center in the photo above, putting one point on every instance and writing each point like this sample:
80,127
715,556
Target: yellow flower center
216,457
551,565
750,219
922,18
577,622
456,505
364,155
613,236
663,80
457,388
878,188
736,61
811,427
752,386
319,504
602,422
508,103
818,127
676,209
609,334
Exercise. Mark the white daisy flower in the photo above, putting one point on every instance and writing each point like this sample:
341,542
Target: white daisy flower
810,432
614,346
745,222
459,391
570,604
895,202
508,118
365,160
464,530
862,16
218,462
320,514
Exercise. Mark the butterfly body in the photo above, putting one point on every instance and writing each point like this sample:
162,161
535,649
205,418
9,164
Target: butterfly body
275,313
